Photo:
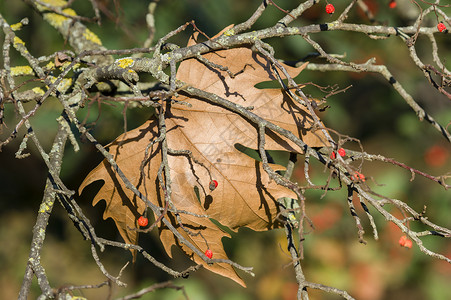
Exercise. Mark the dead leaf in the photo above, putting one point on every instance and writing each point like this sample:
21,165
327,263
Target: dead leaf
273,105
245,196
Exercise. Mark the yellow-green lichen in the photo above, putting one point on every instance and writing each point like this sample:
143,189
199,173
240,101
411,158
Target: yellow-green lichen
331,25
103,87
69,12
53,3
16,26
229,32
21,70
18,41
55,20
65,64
50,66
92,37
64,84
38,91
125,62
56,3
44,208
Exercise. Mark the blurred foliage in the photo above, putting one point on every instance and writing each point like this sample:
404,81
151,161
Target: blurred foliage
370,111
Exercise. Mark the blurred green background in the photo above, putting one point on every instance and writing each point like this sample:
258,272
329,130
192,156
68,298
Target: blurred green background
370,111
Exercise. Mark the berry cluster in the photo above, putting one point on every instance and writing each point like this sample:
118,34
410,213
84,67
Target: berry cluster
405,242
358,176
330,9
341,152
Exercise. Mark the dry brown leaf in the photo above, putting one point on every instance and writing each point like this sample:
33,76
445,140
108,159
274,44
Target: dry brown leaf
245,196
274,105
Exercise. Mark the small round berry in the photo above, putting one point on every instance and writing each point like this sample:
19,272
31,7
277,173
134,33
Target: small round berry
436,156
408,244
333,155
392,4
441,27
402,240
362,177
341,152
208,253
358,176
330,9
405,242
213,185
143,221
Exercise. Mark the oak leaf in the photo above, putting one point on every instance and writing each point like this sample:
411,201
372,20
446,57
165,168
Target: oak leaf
203,142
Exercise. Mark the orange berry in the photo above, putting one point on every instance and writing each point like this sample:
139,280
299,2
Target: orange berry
358,176
408,244
436,156
402,240
405,242
392,4
143,221
362,177
341,152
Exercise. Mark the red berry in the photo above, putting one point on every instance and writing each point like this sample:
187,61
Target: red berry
405,242
143,221
330,9
436,156
358,176
213,185
392,4
402,240
408,244
341,152
441,27
362,177
333,155
208,253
